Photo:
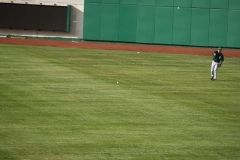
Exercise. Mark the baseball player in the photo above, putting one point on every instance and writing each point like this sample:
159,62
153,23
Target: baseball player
217,62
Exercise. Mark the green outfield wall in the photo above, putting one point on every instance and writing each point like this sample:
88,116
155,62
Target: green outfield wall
177,22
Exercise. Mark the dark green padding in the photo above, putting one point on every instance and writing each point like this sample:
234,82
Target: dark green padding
234,28
178,22
164,25
128,23
218,27
200,26
92,21
146,22
182,26
109,22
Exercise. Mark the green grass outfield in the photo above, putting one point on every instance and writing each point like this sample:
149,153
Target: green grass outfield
65,104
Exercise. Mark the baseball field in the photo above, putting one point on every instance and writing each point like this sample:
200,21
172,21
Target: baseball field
85,104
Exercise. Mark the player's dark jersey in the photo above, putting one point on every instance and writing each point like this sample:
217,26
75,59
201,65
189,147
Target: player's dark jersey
218,57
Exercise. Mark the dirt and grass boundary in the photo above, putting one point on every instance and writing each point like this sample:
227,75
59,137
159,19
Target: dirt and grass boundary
120,46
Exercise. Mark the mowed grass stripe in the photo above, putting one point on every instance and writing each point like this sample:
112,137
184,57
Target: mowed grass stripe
61,103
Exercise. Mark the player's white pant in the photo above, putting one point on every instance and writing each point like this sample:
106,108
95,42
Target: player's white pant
214,68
